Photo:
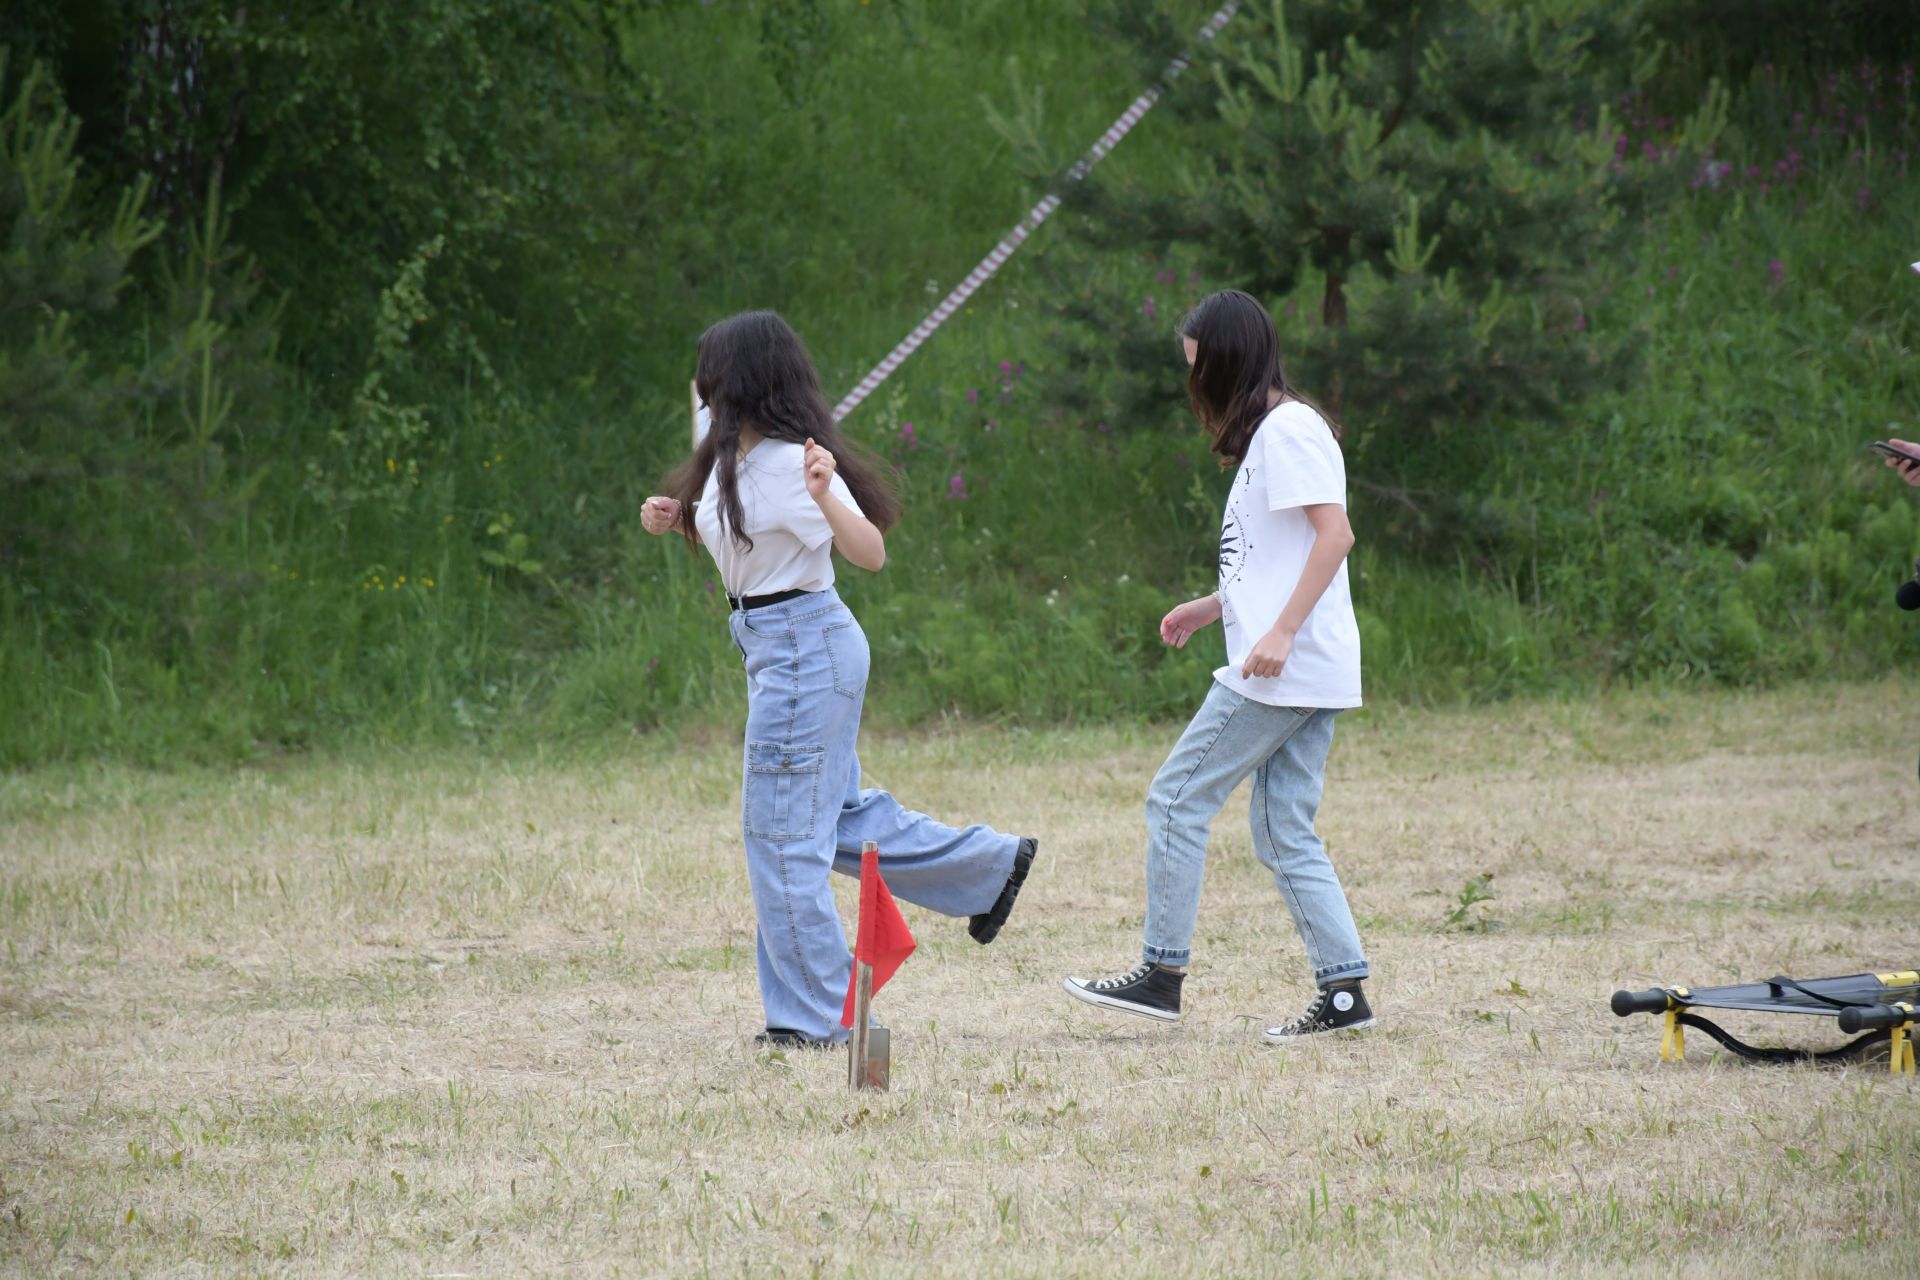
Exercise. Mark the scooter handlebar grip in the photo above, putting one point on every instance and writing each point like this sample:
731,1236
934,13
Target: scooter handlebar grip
1627,1003
1872,1017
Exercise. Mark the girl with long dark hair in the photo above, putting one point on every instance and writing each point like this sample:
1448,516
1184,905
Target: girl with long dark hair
1293,662
772,491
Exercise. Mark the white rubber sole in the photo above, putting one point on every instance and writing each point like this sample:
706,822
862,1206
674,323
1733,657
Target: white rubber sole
1271,1038
1076,987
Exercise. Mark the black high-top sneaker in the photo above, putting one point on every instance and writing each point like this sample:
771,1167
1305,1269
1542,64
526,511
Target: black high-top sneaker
986,926
1341,1008
787,1038
1148,989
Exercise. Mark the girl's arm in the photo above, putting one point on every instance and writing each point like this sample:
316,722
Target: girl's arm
854,536
1332,539
1185,619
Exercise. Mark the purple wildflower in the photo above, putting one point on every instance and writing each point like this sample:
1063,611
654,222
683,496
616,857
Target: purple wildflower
1776,273
957,488
1147,308
973,395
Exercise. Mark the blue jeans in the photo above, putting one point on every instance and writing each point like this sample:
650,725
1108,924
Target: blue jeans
804,812
1285,749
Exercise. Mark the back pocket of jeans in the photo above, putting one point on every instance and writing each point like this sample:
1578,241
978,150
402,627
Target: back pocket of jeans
847,651
782,791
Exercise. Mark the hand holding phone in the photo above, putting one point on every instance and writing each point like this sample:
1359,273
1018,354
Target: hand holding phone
1902,457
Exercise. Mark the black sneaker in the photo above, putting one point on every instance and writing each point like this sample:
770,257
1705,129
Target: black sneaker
1148,989
1333,1009
985,927
788,1038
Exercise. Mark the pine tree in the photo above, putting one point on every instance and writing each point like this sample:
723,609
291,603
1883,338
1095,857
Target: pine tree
1425,194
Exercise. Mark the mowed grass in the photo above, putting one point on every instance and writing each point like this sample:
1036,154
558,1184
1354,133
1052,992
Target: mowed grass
464,1016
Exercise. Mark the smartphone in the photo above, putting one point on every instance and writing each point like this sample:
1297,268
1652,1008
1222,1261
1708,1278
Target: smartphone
1903,456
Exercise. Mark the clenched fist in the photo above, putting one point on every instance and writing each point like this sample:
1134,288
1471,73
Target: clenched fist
660,515
818,465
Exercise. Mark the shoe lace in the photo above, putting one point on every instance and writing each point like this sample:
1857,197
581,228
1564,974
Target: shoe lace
1315,1015
1128,978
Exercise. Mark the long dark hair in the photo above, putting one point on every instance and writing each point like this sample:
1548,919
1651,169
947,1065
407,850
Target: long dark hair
1236,366
754,371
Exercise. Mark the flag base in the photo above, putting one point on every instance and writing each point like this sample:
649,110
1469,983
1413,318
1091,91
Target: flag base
878,1062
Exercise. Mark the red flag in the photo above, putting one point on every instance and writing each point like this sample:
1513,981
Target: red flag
884,941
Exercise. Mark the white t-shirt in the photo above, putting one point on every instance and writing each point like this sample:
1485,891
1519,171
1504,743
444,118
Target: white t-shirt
1293,461
792,541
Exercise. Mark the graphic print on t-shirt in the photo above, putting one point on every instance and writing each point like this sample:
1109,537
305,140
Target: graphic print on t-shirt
1233,533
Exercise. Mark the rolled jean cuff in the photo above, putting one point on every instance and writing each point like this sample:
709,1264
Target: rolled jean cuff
1339,973
1165,955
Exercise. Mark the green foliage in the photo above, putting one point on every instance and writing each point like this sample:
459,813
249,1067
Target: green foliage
332,422
1413,185
1730,40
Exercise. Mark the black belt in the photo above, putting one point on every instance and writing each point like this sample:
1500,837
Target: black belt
761,602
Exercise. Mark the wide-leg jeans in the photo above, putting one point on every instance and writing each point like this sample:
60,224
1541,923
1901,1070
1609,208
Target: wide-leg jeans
804,812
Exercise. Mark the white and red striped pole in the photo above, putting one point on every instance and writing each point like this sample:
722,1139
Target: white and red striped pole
1016,237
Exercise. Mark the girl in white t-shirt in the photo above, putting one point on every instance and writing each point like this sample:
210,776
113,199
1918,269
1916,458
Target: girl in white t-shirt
772,491
1293,662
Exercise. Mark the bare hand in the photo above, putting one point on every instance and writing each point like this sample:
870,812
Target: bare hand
1909,471
818,465
660,515
1185,619
1269,656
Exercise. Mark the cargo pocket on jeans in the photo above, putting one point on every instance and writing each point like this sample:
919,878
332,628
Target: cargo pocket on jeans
782,791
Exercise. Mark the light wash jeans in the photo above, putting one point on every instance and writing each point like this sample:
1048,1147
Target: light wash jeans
804,813
1285,749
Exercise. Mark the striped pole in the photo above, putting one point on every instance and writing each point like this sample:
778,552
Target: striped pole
1028,225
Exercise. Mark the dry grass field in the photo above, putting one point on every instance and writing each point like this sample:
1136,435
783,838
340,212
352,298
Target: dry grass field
459,1016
